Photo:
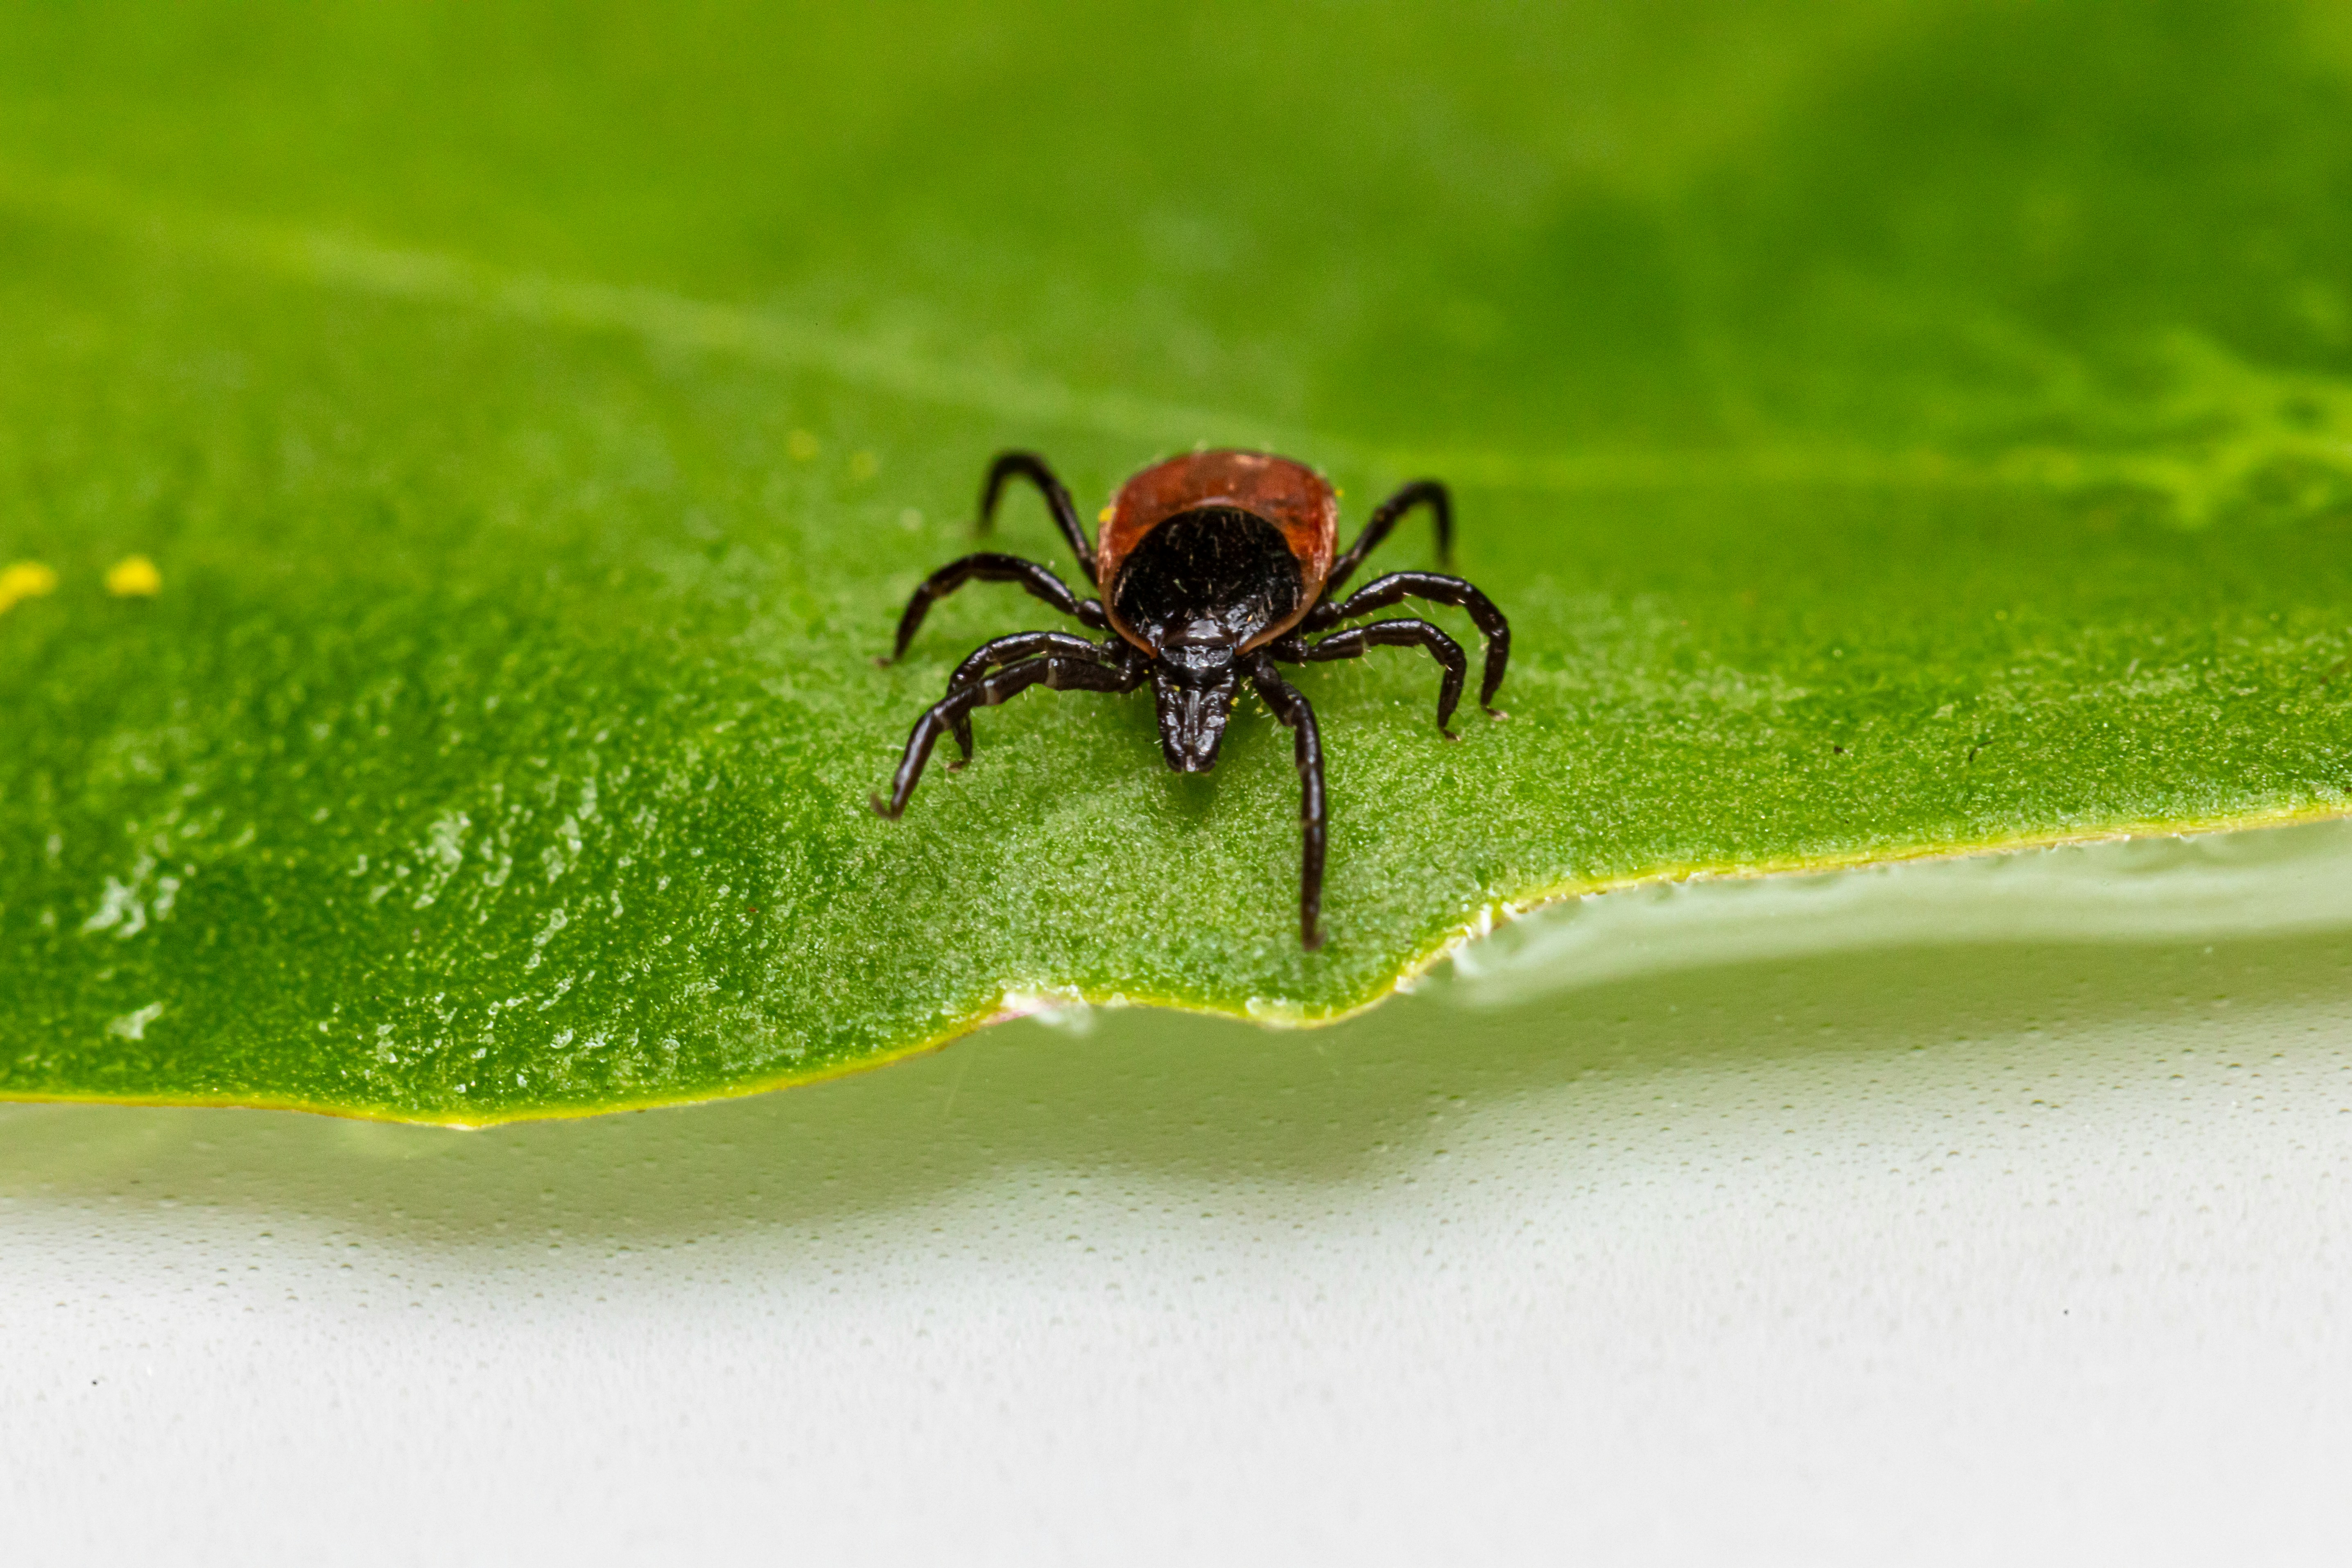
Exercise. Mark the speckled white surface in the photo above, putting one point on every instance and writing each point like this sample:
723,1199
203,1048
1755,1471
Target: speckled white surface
1978,1252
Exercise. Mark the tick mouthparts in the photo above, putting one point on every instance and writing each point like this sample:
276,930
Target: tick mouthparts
1191,723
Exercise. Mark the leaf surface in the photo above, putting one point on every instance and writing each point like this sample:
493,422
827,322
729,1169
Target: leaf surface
457,465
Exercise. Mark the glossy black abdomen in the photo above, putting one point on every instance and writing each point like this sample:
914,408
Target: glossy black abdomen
1214,575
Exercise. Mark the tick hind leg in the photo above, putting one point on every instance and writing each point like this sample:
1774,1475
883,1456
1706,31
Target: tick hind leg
1358,641
1089,674
989,568
1385,518
1011,650
1398,586
1290,706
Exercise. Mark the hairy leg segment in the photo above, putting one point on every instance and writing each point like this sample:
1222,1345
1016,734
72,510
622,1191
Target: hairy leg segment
1291,707
1059,672
1358,641
1039,580
1439,589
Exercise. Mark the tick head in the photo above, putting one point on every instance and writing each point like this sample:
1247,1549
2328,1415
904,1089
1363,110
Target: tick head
1193,706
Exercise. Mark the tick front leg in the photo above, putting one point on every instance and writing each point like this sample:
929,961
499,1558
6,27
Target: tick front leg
1290,706
1061,674
1038,579
1009,650
1358,641
1398,586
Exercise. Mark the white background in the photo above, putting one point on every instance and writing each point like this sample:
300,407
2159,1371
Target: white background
1980,1250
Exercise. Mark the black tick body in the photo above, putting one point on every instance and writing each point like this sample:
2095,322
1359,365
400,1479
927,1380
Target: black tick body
1212,567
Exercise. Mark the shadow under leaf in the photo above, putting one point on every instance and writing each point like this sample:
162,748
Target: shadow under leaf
1150,1100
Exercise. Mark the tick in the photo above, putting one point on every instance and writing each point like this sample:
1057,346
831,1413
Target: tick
1213,568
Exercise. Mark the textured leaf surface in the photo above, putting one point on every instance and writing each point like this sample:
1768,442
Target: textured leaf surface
456,465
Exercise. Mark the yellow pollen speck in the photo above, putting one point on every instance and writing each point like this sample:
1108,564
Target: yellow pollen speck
1105,515
25,580
133,578
864,465
800,445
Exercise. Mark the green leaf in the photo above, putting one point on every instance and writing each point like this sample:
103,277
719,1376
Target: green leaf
1891,429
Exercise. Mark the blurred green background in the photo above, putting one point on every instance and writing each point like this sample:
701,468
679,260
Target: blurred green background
1534,230
1892,429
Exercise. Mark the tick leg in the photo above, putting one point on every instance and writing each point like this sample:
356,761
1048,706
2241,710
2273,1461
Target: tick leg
1398,586
1358,641
1291,707
1009,650
1390,513
1061,674
1038,580
1031,467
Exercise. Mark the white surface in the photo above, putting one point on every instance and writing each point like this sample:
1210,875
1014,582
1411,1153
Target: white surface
1982,1253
